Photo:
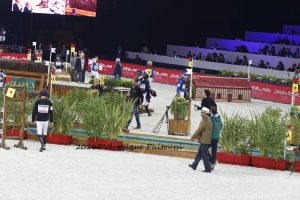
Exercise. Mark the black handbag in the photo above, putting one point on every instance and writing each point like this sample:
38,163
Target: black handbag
153,93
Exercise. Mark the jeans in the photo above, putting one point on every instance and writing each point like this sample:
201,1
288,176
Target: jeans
214,148
136,115
202,153
82,76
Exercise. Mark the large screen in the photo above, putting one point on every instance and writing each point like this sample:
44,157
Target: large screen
59,7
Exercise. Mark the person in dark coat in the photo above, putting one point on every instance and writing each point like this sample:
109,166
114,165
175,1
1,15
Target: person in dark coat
144,85
17,7
136,95
118,69
42,113
203,135
207,101
81,67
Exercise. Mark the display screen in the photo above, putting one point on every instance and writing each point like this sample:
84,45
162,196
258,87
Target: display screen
58,7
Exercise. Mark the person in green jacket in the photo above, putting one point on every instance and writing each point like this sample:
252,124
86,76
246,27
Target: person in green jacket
217,126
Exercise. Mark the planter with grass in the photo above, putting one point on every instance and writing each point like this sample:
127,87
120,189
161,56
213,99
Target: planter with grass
235,141
269,163
179,125
297,166
63,118
269,135
16,133
104,118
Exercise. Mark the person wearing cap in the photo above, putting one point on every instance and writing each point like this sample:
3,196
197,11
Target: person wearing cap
145,88
42,113
118,69
182,85
203,134
139,76
95,68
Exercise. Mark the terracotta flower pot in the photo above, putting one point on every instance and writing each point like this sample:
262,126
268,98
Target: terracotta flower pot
269,163
105,144
233,159
59,139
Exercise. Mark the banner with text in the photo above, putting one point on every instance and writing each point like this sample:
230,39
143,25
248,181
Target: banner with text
14,56
274,93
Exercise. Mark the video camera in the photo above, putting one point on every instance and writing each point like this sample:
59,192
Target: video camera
197,108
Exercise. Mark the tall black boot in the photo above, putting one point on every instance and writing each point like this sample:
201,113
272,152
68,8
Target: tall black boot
42,143
45,141
147,110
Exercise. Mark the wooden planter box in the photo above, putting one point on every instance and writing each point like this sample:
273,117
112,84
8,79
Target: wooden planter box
177,126
15,133
269,163
233,159
105,144
59,139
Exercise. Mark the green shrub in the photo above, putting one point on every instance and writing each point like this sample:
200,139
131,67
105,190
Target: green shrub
180,108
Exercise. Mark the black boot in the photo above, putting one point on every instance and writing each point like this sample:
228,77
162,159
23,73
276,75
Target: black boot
42,143
147,110
45,141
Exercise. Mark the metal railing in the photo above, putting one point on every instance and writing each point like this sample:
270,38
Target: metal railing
12,49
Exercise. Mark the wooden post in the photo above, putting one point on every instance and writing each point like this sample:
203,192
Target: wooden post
190,100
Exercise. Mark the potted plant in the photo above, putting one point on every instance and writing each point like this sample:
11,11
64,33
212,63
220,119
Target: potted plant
105,121
62,121
295,126
179,108
234,140
269,134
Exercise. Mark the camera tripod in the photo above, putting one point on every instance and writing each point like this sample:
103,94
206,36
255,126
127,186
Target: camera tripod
297,153
157,128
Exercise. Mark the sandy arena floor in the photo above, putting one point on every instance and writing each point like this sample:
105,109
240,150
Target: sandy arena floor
62,172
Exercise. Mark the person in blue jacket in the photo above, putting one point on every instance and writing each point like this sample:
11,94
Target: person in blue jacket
182,85
217,127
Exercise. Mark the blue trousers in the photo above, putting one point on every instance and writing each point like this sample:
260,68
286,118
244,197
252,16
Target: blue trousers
202,153
214,148
136,115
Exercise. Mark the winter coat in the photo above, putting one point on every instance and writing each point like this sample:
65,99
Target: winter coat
118,70
217,126
204,131
208,102
136,95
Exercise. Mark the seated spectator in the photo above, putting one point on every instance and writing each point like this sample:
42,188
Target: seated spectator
268,65
237,61
175,54
208,58
265,50
288,53
215,57
282,52
292,68
272,51
189,55
262,64
278,41
245,61
280,66
27,8
199,56
221,58
194,56
242,49
286,40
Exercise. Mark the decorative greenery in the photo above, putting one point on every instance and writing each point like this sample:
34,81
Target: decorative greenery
179,108
111,82
23,66
235,136
105,116
295,122
255,77
64,115
269,132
